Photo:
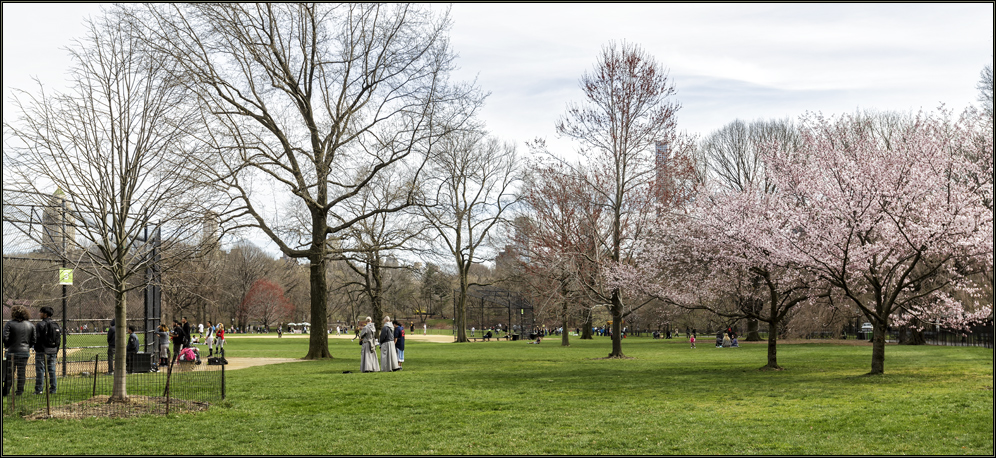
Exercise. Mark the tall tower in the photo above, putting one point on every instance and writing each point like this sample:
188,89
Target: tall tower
209,231
58,224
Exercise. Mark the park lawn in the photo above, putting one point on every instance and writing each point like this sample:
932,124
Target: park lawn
516,398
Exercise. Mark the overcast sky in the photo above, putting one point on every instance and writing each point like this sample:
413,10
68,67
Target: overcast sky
728,61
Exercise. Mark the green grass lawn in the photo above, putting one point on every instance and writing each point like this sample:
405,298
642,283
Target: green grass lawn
515,398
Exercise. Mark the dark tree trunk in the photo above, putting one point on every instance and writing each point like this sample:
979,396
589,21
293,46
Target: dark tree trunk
752,334
461,311
878,348
911,336
772,350
617,318
318,340
586,325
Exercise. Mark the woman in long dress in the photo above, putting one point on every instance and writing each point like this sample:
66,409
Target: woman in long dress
388,355
368,354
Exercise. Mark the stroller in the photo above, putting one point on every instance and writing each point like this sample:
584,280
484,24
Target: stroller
190,354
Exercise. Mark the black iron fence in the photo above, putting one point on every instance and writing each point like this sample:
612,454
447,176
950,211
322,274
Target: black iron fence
84,388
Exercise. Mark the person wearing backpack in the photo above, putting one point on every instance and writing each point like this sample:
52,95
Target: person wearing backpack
46,350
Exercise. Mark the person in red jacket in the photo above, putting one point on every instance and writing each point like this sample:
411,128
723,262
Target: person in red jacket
219,339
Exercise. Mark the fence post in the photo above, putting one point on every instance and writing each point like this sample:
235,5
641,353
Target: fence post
47,381
222,381
169,375
96,362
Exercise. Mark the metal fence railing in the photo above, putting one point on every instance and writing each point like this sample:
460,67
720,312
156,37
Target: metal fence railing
86,386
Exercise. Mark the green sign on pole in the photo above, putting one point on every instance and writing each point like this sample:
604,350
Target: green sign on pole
65,276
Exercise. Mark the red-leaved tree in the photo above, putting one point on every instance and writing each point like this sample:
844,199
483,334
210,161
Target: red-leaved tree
265,302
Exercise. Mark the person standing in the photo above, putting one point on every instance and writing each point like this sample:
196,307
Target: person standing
131,350
47,342
209,338
399,342
177,336
425,329
368,354
219,339
388,355
691,339
186,332
18,339
163,335
110,348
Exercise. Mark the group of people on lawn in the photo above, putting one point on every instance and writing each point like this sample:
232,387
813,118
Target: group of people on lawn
391,341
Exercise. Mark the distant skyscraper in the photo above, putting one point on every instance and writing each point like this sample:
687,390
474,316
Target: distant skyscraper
56,218
661,159
209,232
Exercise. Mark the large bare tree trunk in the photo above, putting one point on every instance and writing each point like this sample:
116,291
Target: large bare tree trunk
586,325
878,348
119,390
318,341
752,331
617,318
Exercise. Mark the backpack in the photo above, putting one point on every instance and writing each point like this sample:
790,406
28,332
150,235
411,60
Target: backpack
53,335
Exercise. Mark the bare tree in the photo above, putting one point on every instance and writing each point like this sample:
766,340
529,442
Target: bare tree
468,192
985,88
732,153
317,99
371,244
118,145
629,111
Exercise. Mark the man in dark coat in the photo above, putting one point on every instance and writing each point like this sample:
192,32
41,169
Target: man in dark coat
186,333
46,350
18,339
110,348
131,349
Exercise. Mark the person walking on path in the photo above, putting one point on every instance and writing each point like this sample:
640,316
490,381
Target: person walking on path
399,343
368,351
18,339
47,341
388,354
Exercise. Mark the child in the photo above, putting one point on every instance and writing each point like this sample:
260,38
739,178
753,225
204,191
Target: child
692,340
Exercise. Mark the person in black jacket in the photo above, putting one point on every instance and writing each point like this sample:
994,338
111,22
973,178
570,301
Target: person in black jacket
131,349
110,348
45,352
18,339
186,333
177,337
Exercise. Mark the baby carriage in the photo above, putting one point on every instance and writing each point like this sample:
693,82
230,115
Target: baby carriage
190,354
